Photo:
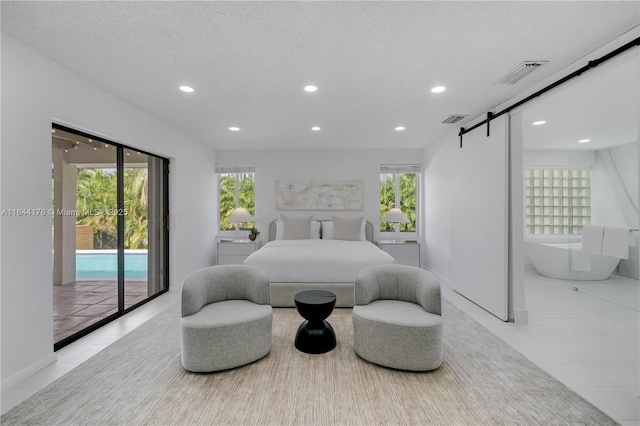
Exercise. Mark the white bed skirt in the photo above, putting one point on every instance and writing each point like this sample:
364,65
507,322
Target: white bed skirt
282,293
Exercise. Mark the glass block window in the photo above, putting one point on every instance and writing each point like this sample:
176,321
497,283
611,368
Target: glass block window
557,201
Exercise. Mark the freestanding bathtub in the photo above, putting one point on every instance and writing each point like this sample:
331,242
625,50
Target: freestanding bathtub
560,261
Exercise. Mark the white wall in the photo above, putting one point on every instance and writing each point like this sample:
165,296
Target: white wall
35,92
561,158
614,186
437,208
317,165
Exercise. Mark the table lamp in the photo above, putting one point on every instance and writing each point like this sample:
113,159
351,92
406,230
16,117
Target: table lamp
240,215
396,216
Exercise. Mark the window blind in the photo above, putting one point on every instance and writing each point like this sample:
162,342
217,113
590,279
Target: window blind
235,168
400,168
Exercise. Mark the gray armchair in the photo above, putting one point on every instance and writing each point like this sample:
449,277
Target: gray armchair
397,319
226,317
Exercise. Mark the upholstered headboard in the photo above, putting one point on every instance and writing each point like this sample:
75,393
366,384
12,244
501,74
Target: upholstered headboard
368,230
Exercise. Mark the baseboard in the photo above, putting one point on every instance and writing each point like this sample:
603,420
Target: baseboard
26,372
443,280
521,315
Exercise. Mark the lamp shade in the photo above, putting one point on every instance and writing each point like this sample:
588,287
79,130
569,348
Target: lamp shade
395,215
240,215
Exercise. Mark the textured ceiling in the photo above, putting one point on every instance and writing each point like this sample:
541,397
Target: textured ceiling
374,62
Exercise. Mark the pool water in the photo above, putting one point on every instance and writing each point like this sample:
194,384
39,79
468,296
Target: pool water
103,265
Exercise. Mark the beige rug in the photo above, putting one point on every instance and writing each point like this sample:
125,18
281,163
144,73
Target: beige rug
139,380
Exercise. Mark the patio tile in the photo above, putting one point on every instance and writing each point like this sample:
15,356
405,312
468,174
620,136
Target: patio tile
97,310
83,303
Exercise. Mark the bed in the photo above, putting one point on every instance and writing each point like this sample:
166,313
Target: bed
316,263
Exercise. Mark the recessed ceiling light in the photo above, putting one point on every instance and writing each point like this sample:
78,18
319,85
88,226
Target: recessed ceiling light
438,89
400,128
315,128
310,88
538,123
584,140
234,129
187,89
53,130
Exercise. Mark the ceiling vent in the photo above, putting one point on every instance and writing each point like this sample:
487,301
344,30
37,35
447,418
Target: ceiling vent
453,119
520,72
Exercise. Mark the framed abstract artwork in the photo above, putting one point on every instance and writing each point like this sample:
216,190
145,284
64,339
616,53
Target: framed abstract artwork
319,195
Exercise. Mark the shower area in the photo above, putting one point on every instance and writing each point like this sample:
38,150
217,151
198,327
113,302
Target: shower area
580,158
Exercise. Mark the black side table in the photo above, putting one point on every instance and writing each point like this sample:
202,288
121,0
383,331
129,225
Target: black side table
315,335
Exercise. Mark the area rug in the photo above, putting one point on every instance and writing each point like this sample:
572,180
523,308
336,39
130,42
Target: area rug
139,380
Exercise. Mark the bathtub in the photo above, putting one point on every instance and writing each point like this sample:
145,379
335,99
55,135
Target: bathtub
561,260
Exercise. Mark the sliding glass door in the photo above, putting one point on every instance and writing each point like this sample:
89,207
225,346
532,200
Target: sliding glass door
110,231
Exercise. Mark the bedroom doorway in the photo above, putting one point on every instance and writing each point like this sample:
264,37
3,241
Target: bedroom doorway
109,231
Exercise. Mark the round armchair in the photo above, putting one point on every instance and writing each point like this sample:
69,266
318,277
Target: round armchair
226,317
397,319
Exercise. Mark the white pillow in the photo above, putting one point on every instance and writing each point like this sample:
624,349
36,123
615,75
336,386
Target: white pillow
328,234
315,229
347,229
327,230
296,228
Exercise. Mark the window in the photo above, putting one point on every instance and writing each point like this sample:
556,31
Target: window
558,200
236,189
399,188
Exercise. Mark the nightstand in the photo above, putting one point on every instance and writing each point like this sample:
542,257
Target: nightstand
236,251
404,253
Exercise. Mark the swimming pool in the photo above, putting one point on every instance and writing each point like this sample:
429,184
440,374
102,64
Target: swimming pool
103,265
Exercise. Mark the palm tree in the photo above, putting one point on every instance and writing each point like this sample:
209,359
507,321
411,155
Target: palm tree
387,199
408,201
96,204
96,196
136,190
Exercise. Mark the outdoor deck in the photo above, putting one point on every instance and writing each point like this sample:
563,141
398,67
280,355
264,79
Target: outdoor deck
83,303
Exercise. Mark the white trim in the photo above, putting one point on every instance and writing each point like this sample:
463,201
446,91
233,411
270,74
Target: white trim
235,168
443,280
28,371
520,315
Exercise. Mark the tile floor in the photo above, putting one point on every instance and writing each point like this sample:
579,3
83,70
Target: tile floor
585,341
589,343
82,303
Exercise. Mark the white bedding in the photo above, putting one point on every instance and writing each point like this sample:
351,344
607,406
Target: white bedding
318,261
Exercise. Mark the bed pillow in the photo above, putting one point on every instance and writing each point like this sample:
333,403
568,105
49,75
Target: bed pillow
315,229
296,228
347,229
327,230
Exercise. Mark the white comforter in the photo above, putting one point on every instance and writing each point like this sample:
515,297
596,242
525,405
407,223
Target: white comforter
318,261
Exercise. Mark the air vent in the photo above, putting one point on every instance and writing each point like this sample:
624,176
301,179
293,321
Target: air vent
520,72
453,119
